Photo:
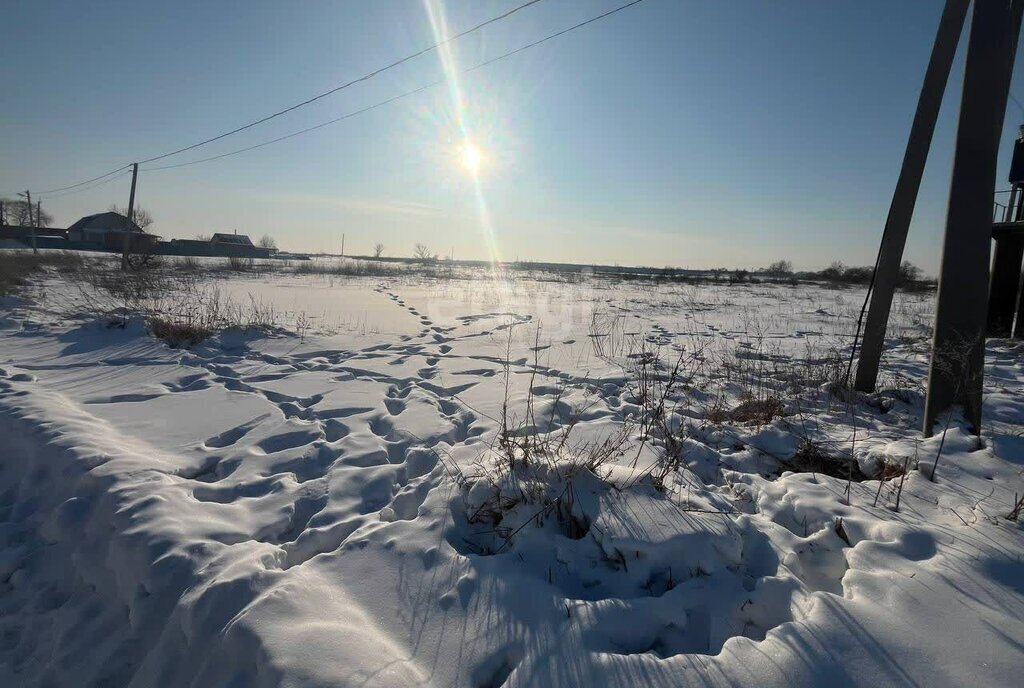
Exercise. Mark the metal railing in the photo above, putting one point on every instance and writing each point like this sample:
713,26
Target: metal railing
1010,211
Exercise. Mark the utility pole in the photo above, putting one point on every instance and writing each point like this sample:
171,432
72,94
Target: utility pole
342,244
958,348
39,222
131,218
32,225
894,236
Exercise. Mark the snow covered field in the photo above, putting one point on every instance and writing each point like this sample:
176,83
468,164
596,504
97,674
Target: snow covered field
337,501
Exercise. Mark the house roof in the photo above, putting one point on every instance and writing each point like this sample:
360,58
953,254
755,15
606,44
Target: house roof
238,239
107,222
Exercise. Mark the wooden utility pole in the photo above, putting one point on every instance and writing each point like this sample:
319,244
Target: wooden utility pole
31,222
897,224
39,222
131,218
342,244
958,348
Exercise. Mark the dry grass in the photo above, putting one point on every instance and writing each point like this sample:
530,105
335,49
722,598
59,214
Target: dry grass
351,268
179,306
534,462
239,264
176,334
17,266
811,458
759,411
1018,507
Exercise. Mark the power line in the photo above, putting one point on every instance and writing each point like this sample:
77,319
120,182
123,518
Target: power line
365,77
49,196
1017,103
87,181
295,133
82,186
406,94
400,96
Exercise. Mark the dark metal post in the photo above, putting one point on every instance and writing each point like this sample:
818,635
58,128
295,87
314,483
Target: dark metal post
958,347
894,237
1002,297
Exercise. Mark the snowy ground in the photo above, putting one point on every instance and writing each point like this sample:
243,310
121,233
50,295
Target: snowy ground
320,503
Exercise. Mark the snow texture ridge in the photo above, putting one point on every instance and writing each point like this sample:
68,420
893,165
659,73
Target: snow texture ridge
265,509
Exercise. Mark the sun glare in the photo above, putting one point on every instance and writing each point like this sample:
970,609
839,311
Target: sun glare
470,157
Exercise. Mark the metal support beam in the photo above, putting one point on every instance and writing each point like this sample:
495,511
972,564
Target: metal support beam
958,347
897,224
1018,323
1002,297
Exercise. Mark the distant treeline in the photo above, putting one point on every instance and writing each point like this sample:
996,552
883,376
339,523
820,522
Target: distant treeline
910,276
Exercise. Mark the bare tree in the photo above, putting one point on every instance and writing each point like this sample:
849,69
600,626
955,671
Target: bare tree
422,252
268,241
378,250
780,268
141,216
835,271
908,273
18,212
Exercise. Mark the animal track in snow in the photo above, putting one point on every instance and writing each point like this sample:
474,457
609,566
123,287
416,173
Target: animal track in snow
394,406
230,437
227,494
406,504
335,430
303,510
288,440
124,398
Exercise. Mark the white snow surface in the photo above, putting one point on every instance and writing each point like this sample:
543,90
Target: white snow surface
270,509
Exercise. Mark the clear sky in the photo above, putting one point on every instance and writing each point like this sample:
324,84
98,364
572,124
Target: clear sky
687,133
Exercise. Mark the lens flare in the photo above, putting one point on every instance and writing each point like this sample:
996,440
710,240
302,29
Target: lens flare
470,157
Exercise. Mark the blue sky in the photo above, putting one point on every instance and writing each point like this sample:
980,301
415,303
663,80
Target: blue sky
686,133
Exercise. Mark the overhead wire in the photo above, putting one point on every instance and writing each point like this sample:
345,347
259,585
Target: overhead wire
1017,103
365,77
401,95
79,188
82,183
50,196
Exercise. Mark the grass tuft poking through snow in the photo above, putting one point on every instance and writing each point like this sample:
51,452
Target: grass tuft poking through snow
529,472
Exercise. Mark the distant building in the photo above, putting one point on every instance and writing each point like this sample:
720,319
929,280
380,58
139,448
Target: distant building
221,244
222,239
107,230
96,227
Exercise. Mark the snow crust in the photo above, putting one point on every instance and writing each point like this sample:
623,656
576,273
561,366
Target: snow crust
270,509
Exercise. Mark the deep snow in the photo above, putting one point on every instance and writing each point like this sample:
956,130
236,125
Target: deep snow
272,509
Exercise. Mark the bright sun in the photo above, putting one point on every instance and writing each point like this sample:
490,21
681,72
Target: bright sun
470,157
